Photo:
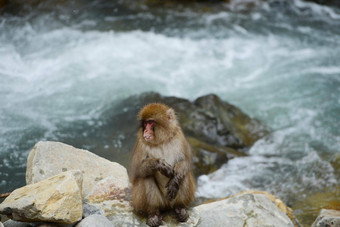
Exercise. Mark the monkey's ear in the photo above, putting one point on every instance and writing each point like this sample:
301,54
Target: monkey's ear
170,113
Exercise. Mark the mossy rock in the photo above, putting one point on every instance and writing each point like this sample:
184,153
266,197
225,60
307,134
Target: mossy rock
208,158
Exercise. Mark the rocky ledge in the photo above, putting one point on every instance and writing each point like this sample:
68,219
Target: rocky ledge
73,187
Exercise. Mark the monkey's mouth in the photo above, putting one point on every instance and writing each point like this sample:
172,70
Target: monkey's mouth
148,130
148,137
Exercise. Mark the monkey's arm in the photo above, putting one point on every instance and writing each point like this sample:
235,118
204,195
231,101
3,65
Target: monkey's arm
149,165
141,165
181,169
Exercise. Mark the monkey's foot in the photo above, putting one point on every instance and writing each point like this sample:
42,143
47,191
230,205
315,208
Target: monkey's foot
182,214
154,220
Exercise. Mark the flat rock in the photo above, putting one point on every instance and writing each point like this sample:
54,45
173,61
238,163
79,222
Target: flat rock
47,159
248,209
56,199
95,220
327,218
111,198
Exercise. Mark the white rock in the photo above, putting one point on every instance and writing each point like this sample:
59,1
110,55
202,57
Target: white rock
56,199
95,220
255,210
47,159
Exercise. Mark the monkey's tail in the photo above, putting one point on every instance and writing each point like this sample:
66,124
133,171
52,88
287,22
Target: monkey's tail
4,195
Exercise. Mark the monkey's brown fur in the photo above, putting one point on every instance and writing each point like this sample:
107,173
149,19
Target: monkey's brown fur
160,170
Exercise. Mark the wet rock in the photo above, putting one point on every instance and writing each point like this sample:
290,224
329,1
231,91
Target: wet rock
47,159
328,218
208,119
224,123
56,199
95,220
208,158
246,209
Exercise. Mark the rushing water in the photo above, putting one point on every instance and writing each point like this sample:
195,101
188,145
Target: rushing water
279,61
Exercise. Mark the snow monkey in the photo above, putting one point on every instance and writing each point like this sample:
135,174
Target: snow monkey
160,166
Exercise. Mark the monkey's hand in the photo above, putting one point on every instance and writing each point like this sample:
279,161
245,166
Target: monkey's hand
173,187
164,168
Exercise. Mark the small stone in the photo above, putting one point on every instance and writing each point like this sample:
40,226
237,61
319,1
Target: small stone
327,218
90,209
56,199
95,220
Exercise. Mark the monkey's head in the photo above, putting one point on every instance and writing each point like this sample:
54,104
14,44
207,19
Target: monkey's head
158,123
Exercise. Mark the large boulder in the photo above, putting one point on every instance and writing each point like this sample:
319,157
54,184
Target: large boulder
56,199
208,120
47,159
328,218
245,209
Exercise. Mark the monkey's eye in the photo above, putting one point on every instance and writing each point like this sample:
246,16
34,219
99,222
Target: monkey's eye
149,122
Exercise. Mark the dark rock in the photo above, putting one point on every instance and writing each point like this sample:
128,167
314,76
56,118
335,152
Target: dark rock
216,130
207,158
11,223
225,129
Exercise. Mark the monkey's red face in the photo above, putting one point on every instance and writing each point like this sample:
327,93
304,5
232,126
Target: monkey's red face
148,130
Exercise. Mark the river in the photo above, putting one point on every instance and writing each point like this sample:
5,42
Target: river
279,61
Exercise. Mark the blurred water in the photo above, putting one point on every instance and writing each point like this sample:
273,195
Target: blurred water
62,63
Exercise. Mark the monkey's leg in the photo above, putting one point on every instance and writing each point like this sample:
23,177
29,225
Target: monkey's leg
181,214
146,197
154,219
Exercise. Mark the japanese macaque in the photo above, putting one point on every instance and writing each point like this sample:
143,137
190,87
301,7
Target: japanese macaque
160,166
